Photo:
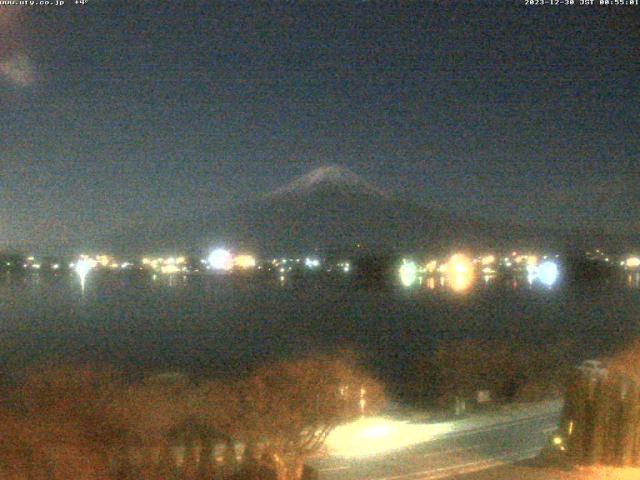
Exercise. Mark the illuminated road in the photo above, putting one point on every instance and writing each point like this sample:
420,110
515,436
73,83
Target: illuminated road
433,451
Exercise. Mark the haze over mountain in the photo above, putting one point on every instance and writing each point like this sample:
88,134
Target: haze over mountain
329,209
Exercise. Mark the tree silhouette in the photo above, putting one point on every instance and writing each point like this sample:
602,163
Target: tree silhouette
60,422
291,407
601,415
85,423
155,413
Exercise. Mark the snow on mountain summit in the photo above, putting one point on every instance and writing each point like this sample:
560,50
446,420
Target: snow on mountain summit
329,176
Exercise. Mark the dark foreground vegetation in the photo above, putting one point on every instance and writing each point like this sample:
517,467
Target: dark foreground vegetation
86,423
599,429
601,418
509,370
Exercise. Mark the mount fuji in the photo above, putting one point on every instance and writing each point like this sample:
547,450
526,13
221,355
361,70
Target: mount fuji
330,209
329,177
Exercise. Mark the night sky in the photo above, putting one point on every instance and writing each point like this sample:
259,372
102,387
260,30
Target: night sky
112,113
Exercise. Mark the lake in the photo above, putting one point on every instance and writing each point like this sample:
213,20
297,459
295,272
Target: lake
217,324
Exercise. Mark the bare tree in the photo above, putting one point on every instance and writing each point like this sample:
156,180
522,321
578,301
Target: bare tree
509,369
59,425
601,413
87,424
154,413
291,407
214,407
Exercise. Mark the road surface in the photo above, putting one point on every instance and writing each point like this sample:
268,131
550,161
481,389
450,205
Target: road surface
390,449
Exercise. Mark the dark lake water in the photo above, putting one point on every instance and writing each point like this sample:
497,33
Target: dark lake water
218,324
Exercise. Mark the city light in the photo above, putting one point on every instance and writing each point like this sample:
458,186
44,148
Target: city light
632,262
103,260
457,273
311,262
488,260
244,261
459,264
546,273
460,272
531,273
169,268
461,282
408,273
220,259
346,266
83,266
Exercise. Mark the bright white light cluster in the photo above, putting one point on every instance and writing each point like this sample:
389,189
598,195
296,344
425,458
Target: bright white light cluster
408,273
547,273
84,265
310,262
223,260
220,259
345,266
82,268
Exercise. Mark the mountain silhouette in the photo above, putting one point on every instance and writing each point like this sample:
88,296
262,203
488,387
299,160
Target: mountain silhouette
329,209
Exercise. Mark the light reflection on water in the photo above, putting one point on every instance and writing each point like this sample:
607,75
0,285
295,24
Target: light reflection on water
217,321
470,282
459,283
